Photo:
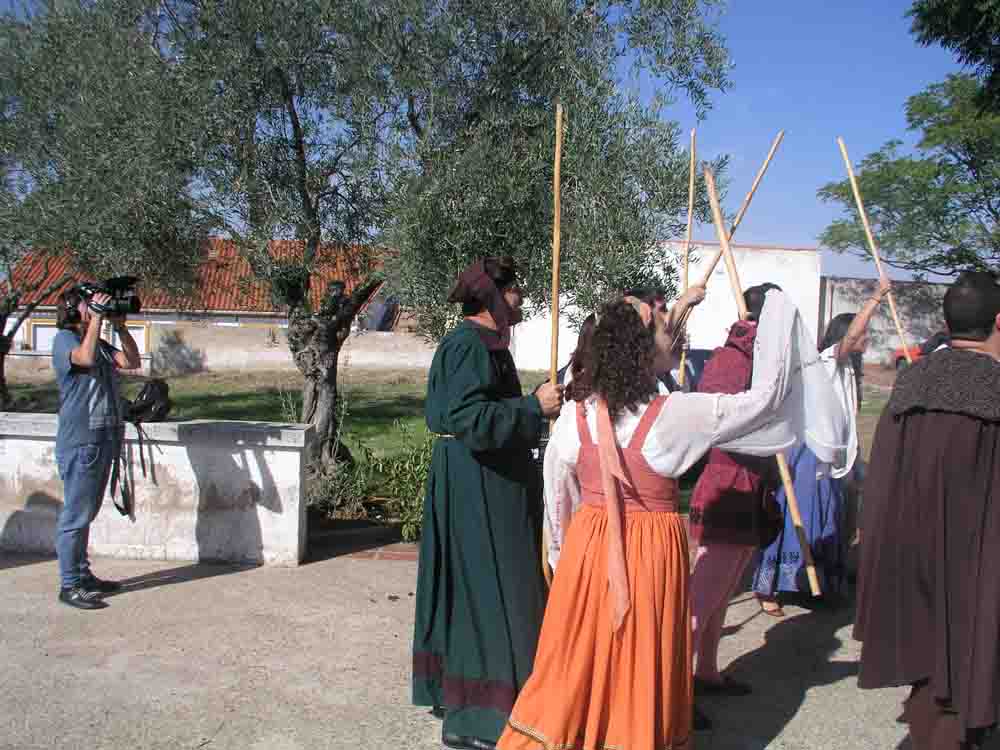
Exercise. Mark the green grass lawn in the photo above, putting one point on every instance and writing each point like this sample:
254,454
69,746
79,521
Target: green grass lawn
871,409
375,400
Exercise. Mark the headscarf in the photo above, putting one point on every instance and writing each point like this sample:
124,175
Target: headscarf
475,285
809,409
612,477
844,379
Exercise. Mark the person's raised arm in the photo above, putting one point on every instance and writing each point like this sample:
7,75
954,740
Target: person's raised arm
128,358
693,296
85,355
859,326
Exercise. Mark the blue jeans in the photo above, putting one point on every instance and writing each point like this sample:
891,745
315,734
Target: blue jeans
84,470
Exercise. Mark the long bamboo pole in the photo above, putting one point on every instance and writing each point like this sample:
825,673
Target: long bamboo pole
745,205
793,509
872,246
783,470
724,248
556,221
687,245
554,361
736,223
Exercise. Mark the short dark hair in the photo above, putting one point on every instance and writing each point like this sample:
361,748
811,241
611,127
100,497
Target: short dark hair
972,304
651,295
754,297
67,308
581,364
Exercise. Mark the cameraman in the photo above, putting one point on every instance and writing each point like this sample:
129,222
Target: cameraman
89,435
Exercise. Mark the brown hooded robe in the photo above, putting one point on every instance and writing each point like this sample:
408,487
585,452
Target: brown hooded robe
929,587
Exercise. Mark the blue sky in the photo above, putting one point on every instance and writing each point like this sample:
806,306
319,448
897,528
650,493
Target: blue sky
818,70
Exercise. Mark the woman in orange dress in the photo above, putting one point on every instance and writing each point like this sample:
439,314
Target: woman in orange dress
613,666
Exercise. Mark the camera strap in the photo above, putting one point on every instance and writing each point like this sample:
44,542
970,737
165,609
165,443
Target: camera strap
125,507
120,478
152,404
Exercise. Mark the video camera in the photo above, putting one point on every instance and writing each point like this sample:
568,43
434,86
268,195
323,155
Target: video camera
124,298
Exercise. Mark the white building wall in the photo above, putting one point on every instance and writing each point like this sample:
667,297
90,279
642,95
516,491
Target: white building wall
795,270
531,341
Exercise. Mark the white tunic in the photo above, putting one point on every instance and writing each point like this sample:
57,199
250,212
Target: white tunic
768,419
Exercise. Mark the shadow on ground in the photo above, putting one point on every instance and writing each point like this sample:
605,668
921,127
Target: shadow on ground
180,574
796,657
17,559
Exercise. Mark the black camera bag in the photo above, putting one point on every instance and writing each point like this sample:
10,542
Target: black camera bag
152,404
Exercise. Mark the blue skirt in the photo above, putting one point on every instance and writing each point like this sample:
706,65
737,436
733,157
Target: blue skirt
782,566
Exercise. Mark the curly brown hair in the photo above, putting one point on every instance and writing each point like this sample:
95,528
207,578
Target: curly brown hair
580,388
622,356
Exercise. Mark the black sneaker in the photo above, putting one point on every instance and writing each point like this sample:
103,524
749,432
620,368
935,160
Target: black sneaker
93,583
81,598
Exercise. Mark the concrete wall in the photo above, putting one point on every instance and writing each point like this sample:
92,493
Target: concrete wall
216,490
918,303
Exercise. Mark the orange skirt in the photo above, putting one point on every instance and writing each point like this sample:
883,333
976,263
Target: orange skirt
595,690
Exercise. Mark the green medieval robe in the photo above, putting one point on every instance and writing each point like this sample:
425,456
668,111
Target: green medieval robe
480,590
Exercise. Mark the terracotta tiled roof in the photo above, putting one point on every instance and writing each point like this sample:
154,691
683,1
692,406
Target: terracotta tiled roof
224,279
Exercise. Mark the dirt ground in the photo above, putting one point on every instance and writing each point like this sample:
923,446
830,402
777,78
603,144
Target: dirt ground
880,376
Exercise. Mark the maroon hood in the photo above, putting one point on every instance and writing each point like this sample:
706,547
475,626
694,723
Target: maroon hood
731,366
742,335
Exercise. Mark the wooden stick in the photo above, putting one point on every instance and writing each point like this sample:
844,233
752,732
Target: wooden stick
556,220
746,204
554,362
793,509
786,475
872,246
727,252
732,230
687,246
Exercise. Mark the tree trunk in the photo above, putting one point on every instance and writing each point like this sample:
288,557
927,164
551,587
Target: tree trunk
5,399
321,408
316,342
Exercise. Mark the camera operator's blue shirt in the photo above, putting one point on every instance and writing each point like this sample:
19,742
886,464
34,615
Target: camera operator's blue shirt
89,399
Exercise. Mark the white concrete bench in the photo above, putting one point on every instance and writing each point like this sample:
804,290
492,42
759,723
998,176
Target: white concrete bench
222,491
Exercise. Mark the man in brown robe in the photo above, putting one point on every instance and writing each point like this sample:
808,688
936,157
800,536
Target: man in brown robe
929,586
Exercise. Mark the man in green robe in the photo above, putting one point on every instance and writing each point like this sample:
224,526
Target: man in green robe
480,589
